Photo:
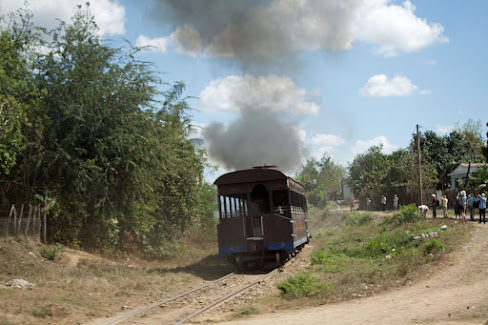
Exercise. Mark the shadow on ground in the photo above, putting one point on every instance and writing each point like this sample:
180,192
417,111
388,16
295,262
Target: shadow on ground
212,267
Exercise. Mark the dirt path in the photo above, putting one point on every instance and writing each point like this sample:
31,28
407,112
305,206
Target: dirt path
453,293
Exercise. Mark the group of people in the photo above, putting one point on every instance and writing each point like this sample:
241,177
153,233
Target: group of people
462,205
471,203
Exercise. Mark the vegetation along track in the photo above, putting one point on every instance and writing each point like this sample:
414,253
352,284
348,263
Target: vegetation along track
184,306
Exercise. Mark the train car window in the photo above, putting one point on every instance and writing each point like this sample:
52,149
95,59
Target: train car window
280,202
260,199
297,203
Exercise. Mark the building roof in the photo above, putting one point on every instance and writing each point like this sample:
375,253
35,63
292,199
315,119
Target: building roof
462,168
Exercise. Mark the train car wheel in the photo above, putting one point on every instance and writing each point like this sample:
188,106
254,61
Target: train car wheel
278,259
239,263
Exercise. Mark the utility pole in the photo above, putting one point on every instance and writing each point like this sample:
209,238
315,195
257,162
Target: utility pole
411,197
420,166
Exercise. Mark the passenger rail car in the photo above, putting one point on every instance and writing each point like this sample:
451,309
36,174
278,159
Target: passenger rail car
262,215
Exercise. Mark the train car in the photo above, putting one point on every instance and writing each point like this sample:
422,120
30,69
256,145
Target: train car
262,215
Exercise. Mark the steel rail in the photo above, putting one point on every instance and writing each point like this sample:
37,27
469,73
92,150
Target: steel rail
230,295
137,312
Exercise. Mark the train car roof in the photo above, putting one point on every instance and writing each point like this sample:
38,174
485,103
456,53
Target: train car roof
252,175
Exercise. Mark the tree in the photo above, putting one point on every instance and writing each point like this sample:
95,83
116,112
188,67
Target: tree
368,171
115,159
321,179
14,90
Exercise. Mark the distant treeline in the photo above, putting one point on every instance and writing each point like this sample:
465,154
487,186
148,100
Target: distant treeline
96,137
373,173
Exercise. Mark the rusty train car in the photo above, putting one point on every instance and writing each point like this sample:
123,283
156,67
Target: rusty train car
262,216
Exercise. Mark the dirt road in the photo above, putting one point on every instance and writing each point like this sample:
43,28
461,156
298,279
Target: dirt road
455,292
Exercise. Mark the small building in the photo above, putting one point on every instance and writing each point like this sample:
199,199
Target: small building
459,173
347,193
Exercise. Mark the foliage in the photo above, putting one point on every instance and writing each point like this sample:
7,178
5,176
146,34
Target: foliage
51,253
408,214
367,173
389,242
374,174
322,180
463,144
433,245
481,177
302,285
105,145
357,219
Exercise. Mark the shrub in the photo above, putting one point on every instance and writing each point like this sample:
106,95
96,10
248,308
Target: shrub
51,253
433,245
318,257
302,285
392,243
408,214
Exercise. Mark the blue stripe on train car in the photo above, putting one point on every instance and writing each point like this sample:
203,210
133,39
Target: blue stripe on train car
279,246
225,250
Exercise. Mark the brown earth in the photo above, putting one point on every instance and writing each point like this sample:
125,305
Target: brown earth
86,289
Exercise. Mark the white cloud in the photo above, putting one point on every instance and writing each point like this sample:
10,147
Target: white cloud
249,92
380,86
109,15
362,146
327,140
396,28
445,129
153,44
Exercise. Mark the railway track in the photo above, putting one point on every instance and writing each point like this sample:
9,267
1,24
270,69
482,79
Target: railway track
187,305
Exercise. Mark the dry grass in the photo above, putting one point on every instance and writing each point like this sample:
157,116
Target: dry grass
81,286
78,286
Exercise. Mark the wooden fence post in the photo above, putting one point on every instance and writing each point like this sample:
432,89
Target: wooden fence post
44,225
12,209
15,222
26,232
38,232
19,227
34,220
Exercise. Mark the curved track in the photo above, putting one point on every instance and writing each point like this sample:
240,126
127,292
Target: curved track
184,306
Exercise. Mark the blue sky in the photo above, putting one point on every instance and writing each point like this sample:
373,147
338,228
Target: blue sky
330,76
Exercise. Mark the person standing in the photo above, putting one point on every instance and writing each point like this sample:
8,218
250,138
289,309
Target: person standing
395,202
457,207
463,200
444,205
433,205
482,207
368,203
471,208
383,203
352,204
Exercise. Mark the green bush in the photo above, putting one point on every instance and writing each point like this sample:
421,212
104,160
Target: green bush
319,257
433,245
302,285
393,243
408,214
51,253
